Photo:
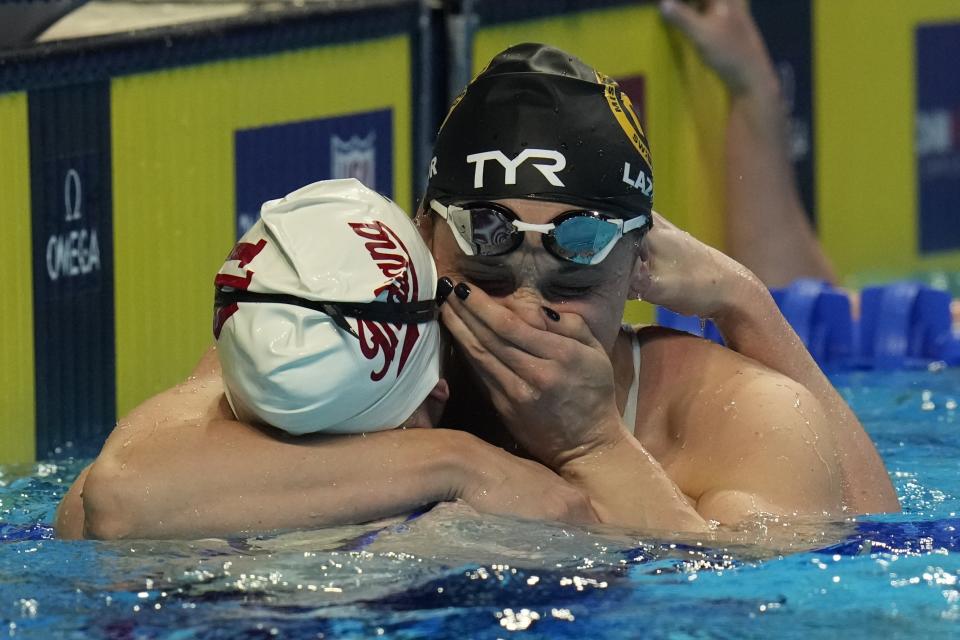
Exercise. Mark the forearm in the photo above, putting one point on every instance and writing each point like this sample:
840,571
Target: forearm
227,477
752,325
759,174
767,227
628,487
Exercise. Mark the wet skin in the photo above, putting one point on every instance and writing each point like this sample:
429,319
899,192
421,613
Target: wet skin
712,427
524,282
528,278
717,435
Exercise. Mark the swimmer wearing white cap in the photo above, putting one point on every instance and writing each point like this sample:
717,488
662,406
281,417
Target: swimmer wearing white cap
325,316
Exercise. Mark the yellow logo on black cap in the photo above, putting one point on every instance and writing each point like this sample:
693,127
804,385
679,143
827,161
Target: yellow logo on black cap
453,106
463,92
623,112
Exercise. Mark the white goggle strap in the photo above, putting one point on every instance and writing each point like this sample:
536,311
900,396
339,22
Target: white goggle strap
528,226
623,227
598,257
461,227
635,223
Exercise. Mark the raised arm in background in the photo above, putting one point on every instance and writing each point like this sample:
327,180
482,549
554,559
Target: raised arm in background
767,229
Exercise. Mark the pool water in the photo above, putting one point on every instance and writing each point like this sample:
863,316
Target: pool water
452,573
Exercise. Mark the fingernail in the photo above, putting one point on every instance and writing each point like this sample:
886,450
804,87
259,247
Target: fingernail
667,6
553,315
444,287
462,291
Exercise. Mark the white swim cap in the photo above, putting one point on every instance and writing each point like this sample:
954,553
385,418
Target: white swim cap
335,368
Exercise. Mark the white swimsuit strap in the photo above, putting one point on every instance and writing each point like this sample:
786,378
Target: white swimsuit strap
630,410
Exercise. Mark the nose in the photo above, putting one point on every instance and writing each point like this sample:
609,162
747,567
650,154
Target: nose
527,303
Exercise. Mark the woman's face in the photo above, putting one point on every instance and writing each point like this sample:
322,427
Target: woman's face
530,278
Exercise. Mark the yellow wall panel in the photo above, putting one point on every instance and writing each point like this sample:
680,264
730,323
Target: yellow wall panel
174,195
685,104
865,93
17,415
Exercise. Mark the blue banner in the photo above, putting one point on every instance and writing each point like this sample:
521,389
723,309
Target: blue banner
938,136
275,160
72,232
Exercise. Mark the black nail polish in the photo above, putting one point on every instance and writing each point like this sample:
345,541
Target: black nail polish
462,291
444,288
553,315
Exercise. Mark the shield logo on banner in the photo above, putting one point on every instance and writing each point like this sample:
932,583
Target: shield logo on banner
354,158
276,159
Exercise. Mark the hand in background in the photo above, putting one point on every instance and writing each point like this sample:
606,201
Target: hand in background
727,38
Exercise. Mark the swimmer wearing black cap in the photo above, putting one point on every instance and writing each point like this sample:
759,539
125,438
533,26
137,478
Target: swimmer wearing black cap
539,213
539,199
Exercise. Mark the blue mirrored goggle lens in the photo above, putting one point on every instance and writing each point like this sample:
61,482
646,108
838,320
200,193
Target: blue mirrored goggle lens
580,238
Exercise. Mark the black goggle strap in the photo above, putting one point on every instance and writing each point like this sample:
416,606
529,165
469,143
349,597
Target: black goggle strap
390,312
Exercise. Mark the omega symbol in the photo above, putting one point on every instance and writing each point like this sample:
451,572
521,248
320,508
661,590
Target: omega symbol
72,195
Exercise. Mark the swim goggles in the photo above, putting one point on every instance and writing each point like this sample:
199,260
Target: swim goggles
581,236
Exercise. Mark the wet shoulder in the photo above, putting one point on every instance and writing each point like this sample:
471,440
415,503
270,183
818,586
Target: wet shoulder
679,369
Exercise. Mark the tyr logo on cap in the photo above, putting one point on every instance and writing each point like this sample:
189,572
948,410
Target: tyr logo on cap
549,171
394,261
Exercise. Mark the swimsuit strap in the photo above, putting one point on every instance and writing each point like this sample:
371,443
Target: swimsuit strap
630,410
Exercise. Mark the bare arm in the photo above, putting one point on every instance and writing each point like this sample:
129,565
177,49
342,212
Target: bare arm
685,275
752,325
178,466
765,446
628,487
69,520
757,443
766,226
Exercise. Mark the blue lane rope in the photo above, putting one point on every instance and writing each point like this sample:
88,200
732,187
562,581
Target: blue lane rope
903,325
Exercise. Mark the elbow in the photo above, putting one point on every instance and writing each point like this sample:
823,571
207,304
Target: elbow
107,504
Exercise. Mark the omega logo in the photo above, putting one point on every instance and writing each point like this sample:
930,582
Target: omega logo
77,251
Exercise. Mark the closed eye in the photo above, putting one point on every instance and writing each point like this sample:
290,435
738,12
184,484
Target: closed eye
495,286
568,292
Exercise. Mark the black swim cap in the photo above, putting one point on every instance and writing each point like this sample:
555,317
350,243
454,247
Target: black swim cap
539,123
